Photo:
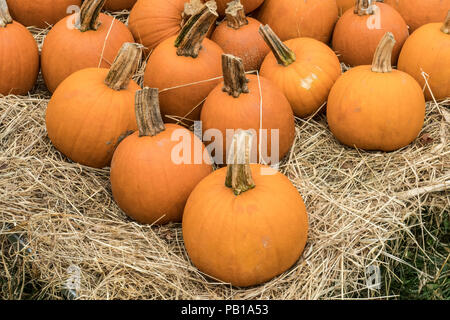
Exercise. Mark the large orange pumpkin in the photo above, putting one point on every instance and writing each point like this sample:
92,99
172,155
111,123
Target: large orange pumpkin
117,5
376,107
344,5
70,46
428,50
249,5
93,110
185,65
358,33
41,13
147,183
419,12
293,18
303,68
19,55
236,104
242,225
238,35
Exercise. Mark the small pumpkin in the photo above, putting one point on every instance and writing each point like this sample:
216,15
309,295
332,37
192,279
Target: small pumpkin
19,55
93,110
147,184
419,12
428,50
303,68
359,31
376,107
249,5
71,46
186,64
118,5
41,13
249,229
236,104
344,5
294,19
238,35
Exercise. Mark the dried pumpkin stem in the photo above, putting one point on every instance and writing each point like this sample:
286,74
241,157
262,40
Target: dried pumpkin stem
191,8
148,114
239,174
382,60
235,81
89,13
189,41
446,26
283,54
124,66
363,7
235,15
5,17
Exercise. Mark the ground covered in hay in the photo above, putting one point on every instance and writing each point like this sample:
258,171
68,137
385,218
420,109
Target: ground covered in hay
366,209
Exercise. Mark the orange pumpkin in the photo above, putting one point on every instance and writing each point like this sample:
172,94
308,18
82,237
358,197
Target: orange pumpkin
19,56
148,184
293,19
238,35
376,107
93,110
428,50
236,104
419,12
41,13
304,69
249,229
358,33
117,5
249,5
70,47
344,5
178,62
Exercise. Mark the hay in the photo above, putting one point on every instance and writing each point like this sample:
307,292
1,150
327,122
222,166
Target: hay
359,204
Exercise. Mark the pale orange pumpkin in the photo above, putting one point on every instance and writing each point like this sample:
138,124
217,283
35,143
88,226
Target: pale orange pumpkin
118,5
358,33
304,69
376,107
344,5
249,5
426,53
147,183
242,225
93,110
70,46
19,55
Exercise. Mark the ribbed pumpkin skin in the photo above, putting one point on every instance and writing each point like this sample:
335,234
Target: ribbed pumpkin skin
117,5
294,19
376,111
222,111
248,239
249,5
86,119
307,82
165,69
19,60
68,50
146,184
419,12
40,13
153,21
245,43
428,50
355,38
344,5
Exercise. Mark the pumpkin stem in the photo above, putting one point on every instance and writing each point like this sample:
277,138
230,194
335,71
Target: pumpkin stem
89,13
382,60
363,7
239,173
148,114
191,8
189,41
446,26
235,81
283,54
124,66
5,17
236,15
